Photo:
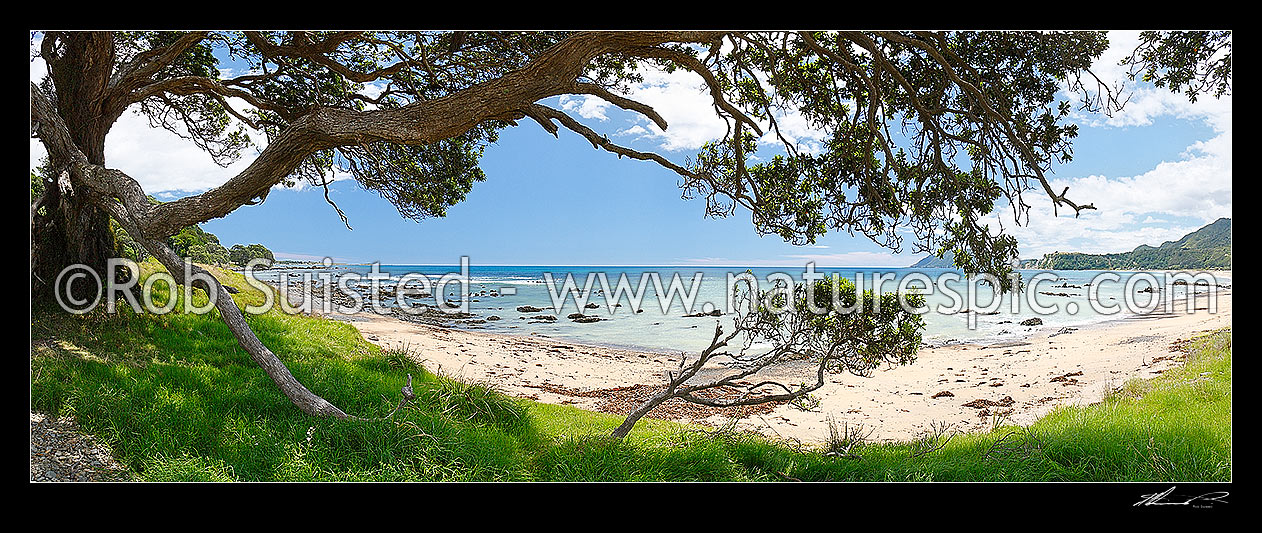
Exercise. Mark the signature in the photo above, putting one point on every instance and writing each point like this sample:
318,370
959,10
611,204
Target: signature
1160,498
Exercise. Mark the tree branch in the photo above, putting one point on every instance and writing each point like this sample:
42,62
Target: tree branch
695,65
625,103
552,73
544,114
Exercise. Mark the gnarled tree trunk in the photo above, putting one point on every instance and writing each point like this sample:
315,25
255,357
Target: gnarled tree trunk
67,227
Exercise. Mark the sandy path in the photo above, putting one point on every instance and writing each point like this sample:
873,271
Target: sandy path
896,403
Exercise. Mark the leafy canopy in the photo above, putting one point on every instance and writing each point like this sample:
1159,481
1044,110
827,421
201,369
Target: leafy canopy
925,133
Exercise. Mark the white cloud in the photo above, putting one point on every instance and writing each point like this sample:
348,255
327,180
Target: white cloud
1149,103
637,131
585,106
161,161
1197,187
797,130
683,99
680,97
1107,232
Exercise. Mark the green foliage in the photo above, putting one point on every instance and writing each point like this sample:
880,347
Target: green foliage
199,117
182,243
1188,62
125,246
194,243
37,187
211,253
946,170
203,247
41,177
1207,248
833,322
924,134
241,255
421,181
976,118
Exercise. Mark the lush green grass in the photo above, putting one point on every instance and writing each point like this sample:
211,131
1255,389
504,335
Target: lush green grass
177,399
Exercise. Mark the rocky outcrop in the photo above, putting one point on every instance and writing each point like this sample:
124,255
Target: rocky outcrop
715,312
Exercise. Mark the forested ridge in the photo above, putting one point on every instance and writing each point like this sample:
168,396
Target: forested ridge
1205,248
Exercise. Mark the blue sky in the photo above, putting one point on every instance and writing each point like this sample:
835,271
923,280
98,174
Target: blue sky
1156,171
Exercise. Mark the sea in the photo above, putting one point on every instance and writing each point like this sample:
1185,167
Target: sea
1064,299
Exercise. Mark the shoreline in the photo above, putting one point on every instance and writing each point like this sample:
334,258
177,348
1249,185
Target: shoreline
1021,379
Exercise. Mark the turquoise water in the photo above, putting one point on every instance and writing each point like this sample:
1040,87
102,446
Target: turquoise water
658,329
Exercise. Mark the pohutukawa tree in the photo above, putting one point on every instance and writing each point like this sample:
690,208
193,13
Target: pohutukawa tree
926,131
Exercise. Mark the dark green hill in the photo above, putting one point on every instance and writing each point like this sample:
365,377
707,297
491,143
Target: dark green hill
1207,248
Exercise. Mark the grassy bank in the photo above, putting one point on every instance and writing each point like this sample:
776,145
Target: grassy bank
177,399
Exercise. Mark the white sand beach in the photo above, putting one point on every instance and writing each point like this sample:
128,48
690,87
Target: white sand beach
1050,367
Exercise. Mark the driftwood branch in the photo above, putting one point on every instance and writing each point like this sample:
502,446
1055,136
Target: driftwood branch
407,397
829,339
